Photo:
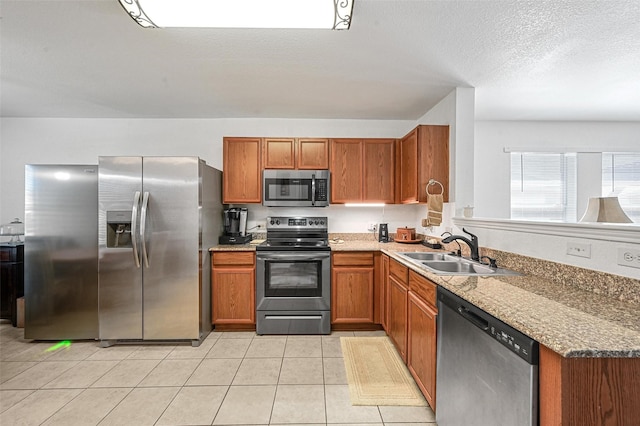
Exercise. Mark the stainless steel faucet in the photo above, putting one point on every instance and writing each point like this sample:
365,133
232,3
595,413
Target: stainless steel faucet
472,243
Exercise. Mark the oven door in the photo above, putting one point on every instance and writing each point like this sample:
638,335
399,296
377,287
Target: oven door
293,281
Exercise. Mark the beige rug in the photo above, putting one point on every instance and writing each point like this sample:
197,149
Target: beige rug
376,373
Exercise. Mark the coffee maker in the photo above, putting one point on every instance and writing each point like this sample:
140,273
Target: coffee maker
235,226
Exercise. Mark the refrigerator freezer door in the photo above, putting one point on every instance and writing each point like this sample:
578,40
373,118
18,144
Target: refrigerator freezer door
171,244
120,274
61,254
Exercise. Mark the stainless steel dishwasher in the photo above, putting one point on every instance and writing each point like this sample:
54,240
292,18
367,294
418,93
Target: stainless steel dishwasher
487,372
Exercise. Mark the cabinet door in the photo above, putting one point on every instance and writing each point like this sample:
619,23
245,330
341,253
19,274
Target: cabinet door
379,170
346,170
279,153
352,295
384,298
313,154
233,296
241,177
421,347
433,160
408,163
397,320
423,154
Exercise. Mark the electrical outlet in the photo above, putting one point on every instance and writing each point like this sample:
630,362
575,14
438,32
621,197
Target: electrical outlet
579,249
371,227
628,257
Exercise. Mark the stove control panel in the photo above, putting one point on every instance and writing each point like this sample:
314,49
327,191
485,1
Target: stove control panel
297,223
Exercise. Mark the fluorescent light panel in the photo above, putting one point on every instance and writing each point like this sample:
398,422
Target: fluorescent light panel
327,14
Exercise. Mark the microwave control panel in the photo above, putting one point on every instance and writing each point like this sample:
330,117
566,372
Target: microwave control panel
321,190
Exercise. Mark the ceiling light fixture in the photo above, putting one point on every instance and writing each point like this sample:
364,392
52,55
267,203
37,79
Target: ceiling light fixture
322,14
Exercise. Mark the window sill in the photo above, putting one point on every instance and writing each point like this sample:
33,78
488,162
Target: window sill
621,232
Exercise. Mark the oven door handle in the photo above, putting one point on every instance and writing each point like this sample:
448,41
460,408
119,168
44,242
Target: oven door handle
288,255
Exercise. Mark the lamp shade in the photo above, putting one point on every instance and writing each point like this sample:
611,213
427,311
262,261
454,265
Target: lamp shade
605,209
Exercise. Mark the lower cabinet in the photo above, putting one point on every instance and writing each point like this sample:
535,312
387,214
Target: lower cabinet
233,289
397,294
421,345
352,288
384,290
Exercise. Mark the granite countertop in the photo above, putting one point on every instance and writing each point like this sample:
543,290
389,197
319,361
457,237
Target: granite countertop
568,320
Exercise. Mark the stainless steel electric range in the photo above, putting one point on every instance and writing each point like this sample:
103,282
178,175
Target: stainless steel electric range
293,277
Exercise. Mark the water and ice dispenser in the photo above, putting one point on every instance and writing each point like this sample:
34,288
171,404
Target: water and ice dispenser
119,228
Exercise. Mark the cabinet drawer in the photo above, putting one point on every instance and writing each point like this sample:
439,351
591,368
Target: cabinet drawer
399,271
353,259
233,258
422,287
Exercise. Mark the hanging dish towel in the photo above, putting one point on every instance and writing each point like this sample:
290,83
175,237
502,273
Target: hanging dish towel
434,209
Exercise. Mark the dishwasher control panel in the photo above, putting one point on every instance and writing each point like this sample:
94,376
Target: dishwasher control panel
523,348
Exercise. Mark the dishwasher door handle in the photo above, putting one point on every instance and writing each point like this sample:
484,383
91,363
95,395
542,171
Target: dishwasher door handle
474,318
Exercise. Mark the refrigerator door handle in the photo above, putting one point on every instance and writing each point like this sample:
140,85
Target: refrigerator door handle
134,226
143,223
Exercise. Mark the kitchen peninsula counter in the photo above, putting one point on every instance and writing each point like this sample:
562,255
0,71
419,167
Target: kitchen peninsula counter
568,320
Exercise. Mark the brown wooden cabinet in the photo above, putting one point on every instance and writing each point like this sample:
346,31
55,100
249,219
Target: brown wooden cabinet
279,153
242,170
312,154
423,154
421,342
362,170
384,290
346,170
588,391
233,301
296,153
397,297
352,288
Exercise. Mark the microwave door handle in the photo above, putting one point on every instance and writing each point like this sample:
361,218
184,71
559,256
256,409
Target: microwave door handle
313,189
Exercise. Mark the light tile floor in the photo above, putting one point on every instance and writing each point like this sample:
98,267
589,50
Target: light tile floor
233,378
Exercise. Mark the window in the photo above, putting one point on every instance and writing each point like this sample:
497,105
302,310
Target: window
621,178
543,186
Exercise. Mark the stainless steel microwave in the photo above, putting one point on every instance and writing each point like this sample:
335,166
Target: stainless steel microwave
295,188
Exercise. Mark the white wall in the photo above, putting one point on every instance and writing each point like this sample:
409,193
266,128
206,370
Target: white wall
456,110
492,164
81,141
49,141
492,191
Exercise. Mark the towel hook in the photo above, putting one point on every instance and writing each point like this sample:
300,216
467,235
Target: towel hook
434,182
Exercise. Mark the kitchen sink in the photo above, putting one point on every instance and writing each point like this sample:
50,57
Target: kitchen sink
428,256
448,264
459,267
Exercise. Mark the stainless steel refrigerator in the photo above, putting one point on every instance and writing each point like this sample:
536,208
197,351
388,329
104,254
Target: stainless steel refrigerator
61,252
158,216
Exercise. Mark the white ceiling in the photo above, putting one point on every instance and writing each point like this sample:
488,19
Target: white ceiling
530,60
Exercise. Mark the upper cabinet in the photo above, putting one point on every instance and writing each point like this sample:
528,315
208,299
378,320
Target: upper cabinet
242,170
362,170
296,153
279,153
312,154
422,155
346,170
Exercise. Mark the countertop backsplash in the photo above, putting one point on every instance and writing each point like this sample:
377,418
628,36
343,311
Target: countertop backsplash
614,286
